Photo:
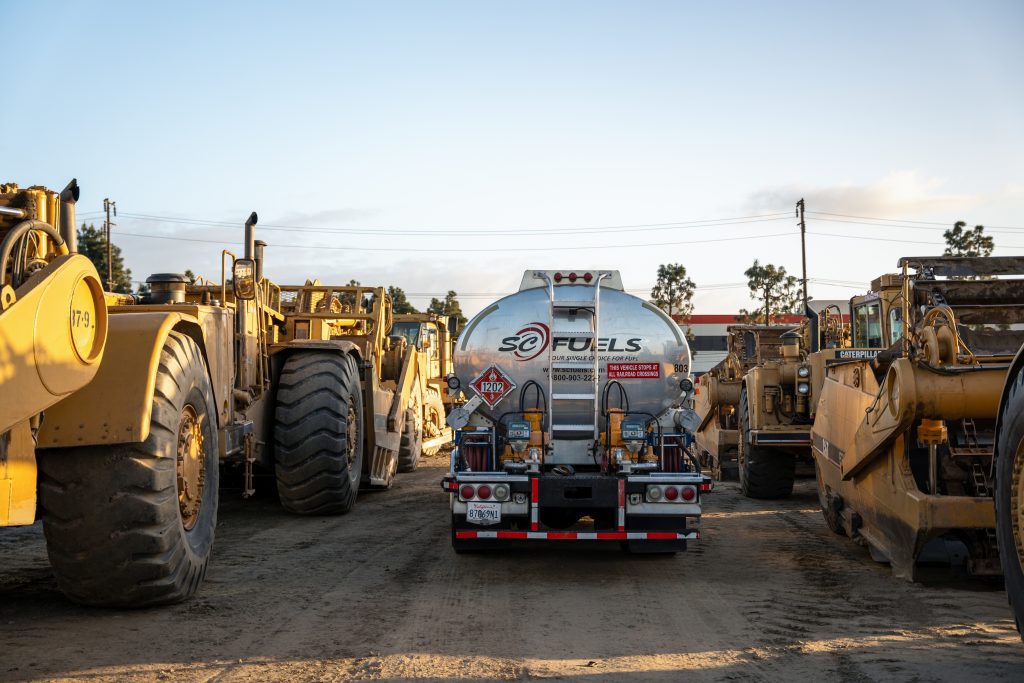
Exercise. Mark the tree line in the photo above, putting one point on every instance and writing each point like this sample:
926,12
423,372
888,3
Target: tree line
778,293
92,243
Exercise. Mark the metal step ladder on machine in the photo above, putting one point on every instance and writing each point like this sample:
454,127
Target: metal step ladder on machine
559,312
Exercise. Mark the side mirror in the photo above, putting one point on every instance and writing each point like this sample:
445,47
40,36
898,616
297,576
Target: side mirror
243,274
453,326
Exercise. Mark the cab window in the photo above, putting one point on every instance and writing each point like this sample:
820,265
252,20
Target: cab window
411,332
430,332
895,325
867,326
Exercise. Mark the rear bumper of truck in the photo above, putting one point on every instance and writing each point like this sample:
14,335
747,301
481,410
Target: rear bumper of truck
623,504
580,535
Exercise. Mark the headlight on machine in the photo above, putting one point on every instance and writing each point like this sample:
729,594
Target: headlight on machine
803,371
803,388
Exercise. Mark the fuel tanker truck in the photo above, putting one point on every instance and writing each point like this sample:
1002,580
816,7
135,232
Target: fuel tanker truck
574,427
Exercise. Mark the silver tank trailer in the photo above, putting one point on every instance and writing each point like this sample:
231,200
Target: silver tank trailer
639,345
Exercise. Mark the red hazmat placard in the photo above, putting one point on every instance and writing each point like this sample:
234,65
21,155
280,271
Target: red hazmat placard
493,385
634,370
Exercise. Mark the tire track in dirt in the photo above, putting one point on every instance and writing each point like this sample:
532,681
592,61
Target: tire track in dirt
768,595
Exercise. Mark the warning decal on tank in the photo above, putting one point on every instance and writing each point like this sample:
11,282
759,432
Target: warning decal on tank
493,385
634,370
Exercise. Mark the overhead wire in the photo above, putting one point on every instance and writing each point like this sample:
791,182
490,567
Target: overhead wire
903,220
320,247
447,232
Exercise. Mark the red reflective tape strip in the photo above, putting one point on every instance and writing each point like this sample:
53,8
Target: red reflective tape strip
575,536
534,497
622,505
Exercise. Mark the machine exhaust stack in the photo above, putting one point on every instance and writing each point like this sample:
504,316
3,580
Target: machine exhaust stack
68,228
250,235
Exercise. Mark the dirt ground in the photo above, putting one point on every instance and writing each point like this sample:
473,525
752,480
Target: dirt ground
768,594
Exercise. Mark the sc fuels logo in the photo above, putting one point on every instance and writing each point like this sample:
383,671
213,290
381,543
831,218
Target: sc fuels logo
527,343
533,339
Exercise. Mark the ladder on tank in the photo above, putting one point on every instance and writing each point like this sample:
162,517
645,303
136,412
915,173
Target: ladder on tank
559,311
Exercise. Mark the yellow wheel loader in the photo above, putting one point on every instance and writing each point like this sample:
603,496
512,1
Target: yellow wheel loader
905,429
204,374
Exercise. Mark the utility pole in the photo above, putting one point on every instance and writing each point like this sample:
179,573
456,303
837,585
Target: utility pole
803,245
109,206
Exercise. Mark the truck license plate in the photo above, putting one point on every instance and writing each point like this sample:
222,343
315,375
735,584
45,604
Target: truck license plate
483,513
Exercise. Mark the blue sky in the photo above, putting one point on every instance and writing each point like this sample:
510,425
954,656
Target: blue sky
526,117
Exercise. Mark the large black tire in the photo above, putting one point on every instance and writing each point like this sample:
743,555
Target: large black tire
764,472
1010,496
132,525
318,433
411,445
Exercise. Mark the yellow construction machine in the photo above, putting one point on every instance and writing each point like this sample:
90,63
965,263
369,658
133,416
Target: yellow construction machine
434,336
203,373
757,405
905,428
717,395
400,380
53,327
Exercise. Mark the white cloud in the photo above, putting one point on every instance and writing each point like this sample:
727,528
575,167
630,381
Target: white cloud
899,194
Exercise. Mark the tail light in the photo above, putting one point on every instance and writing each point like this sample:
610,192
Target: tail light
572,277
501,492
558,277
587,277
654,493
671,493
466,492
483,492
688,493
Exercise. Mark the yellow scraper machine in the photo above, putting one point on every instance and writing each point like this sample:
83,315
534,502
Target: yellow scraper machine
905,427
574,427
53,329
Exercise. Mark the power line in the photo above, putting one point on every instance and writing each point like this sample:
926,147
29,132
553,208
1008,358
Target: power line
1003,230
639,227
901,220
319,247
